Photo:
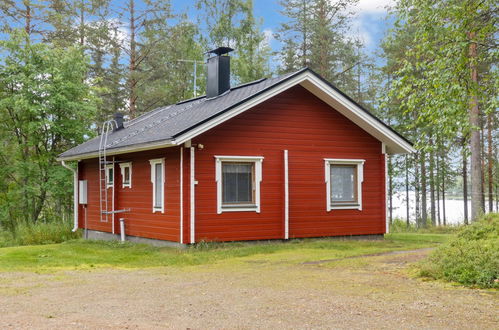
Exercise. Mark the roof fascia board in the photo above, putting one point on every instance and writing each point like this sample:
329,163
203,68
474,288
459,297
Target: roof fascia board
311,82
122,150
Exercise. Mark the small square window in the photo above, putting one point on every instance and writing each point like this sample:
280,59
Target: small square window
344,183
238,183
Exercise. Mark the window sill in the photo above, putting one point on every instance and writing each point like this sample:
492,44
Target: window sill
158,210
346,207
239,208
127,185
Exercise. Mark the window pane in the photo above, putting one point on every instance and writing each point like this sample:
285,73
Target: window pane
158,168
343,182
110,175
237,182
126,178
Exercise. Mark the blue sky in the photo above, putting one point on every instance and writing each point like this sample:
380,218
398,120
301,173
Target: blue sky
370,23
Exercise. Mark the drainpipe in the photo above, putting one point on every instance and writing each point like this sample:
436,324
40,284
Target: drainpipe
75,195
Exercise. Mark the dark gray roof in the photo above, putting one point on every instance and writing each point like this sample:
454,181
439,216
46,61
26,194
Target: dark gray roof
167,122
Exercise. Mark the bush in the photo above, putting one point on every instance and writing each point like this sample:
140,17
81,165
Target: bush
400,226
470,258
40,233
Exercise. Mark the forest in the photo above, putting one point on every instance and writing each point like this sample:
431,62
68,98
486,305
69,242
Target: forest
67,65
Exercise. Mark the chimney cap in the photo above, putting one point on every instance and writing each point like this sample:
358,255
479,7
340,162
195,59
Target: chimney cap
220,51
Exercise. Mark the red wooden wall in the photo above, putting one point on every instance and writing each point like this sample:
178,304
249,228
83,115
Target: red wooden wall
310,130
294,120
140,221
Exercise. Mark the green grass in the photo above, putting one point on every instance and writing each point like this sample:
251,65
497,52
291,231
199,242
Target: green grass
39,233
471,257
81,254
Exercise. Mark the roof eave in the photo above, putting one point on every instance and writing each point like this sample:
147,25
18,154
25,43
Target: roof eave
121,150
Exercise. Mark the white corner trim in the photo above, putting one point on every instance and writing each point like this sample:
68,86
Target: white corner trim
181,178
122,167
286,195
387,211
108,181
153,162
360,178
322,90
258,179
192,197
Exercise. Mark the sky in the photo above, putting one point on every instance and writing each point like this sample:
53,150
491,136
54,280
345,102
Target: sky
370,23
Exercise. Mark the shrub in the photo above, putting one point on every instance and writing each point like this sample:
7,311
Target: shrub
400,226
40,233
471,257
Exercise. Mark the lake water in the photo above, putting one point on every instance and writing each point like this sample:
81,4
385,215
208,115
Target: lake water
454,208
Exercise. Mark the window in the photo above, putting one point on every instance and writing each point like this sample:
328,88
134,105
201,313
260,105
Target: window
126,175
109,176
238,183
344,183
158,184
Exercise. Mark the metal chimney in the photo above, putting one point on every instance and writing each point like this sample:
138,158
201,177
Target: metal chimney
118,118
218,81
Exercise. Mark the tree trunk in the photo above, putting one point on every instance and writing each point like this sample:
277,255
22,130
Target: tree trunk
482,160
443,176
490,162
432,187
424,211
407,190
27,19
417,190
82,23
132,67
437,185
465,182
474,117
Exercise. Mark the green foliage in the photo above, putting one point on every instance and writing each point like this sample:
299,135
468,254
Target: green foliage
400,226
46,107
39,233
232,23
470,258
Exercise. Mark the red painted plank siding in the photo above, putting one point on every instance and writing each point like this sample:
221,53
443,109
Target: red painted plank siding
140,221
297,121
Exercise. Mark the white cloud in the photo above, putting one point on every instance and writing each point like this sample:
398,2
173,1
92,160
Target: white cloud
268,35
373,6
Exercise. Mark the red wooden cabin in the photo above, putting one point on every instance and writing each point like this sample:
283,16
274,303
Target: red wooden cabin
277,158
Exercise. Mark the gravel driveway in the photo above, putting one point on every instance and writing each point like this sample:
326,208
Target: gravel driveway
369,292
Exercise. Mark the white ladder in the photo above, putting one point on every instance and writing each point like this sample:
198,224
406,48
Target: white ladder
103,201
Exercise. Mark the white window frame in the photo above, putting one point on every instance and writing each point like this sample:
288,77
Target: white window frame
122,167
359,163
109,184
153,163
257,160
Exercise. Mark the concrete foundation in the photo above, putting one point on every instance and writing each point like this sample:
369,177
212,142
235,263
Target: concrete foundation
105,236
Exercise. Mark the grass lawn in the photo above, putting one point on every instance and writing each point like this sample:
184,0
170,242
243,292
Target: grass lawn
81,254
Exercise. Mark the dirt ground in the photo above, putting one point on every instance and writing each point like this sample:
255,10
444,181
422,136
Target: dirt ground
369,292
